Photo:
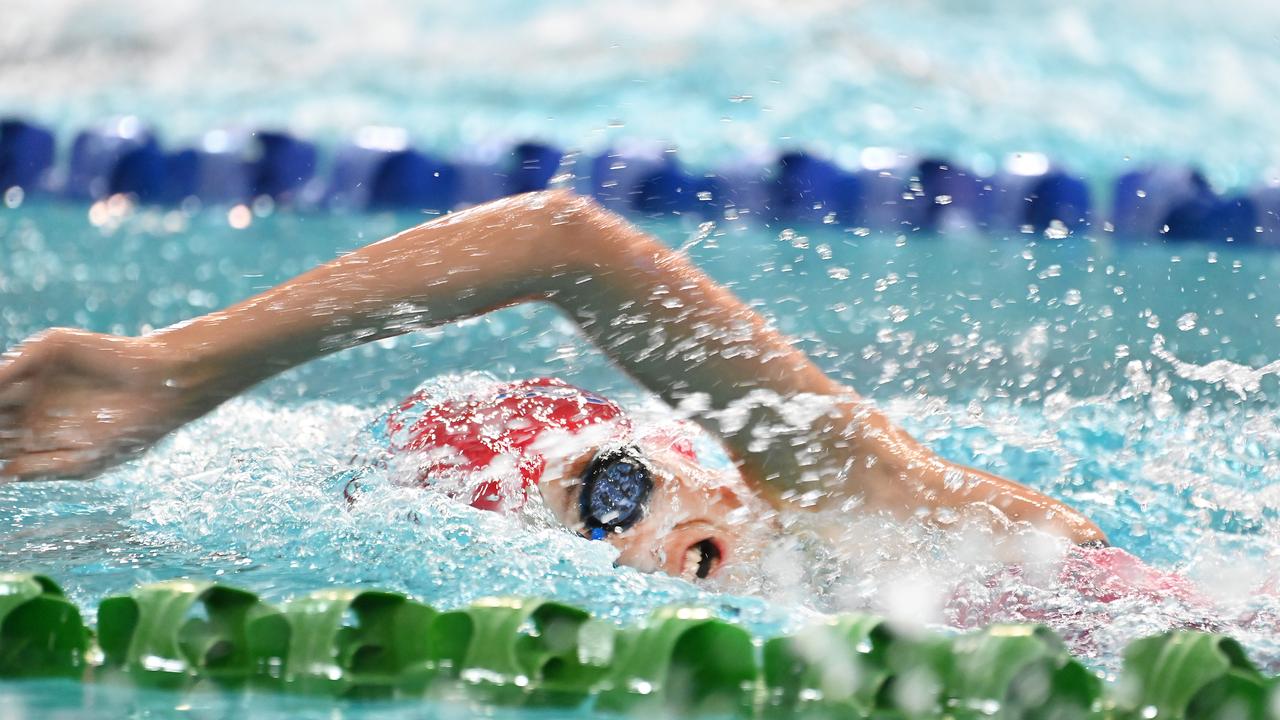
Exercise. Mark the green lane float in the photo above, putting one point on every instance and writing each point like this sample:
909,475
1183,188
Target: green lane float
515,651
41,633
1025,670
841,664
175,633
342,641
184,634
682,658
1193,674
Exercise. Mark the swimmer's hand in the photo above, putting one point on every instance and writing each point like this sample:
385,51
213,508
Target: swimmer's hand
73,403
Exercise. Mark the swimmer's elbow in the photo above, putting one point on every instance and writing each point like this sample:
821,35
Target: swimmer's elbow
579,233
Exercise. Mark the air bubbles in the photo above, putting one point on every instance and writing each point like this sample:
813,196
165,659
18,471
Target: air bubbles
1187,322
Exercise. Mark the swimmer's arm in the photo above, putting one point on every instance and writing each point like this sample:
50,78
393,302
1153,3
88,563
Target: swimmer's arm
84,400
692,341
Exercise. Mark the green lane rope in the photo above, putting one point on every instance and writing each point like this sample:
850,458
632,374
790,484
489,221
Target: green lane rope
362,643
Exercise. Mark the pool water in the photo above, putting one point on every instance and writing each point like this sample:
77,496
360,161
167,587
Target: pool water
1135,380
1067,365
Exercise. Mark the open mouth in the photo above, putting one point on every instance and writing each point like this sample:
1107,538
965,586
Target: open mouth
701,559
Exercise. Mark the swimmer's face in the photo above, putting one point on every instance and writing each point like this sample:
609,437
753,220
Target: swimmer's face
694,522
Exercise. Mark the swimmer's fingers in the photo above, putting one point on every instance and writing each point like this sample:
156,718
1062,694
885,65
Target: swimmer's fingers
27,358
58,346
51,464
14,434
12,438
14,395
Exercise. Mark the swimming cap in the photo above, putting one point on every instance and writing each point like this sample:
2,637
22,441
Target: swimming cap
480,438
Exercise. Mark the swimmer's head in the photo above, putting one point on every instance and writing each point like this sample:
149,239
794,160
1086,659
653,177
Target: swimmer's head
692,521
640,488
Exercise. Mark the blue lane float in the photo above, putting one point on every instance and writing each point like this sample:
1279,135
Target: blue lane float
533,165
282,165
1145,198
26,154
379,171
671,190
1267,203
1059,197
480,177
614,176
808,188
1213,218
216,171
953,198
883,191
745,187
1030,193
888,199
879,189
121,156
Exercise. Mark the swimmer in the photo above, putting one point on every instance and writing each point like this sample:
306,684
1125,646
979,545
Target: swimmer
73,403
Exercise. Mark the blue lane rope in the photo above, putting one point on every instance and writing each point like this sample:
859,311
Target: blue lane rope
379,169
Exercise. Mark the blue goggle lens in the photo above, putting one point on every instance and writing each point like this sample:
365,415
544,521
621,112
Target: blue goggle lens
614,490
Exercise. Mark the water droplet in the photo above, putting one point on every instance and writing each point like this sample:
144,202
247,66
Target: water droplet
13,197
1057,230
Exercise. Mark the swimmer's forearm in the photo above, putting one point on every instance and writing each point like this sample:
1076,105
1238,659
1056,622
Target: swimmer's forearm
460,266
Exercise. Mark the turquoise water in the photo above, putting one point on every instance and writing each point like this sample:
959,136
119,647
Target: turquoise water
1071,366
1134,380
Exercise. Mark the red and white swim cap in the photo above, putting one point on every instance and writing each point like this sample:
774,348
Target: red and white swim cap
478,440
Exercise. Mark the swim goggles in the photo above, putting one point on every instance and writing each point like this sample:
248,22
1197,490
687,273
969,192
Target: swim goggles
615,489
